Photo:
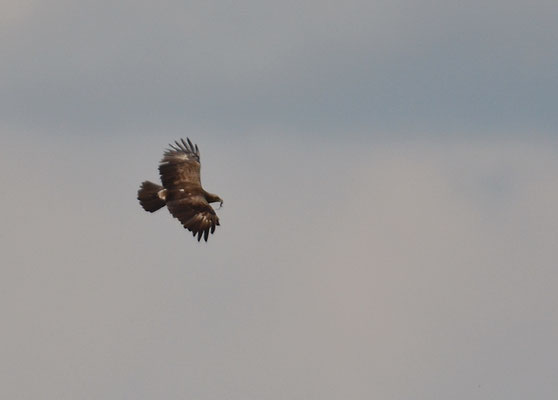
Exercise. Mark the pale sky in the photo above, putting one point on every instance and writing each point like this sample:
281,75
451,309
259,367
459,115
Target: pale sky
389,177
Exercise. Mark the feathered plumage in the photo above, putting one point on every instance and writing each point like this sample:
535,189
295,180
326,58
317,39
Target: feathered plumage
181,191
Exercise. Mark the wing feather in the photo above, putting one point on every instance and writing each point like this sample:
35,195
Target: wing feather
180,166
195,214
186,201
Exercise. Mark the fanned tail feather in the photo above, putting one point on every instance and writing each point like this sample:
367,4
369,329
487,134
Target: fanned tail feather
148,196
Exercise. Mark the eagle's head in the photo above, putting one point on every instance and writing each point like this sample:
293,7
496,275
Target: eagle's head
213,198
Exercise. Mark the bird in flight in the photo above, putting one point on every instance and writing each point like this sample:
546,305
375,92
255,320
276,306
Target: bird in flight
181,191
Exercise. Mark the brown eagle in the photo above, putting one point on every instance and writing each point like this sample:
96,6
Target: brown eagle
182,192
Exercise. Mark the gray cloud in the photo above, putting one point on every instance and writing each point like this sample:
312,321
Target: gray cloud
314,66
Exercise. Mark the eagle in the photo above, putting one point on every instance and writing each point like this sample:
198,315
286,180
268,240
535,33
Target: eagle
181,191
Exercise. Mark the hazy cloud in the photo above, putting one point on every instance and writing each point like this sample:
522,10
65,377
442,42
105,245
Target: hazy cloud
340,271
388,171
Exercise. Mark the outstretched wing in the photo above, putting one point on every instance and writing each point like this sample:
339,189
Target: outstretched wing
180,175
195,214
180,166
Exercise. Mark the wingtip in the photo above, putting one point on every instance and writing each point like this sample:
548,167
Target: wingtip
184,146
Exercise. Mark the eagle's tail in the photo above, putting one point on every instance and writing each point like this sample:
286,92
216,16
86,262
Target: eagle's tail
148,196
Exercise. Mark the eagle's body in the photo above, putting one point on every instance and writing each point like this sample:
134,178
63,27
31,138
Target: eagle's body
181,190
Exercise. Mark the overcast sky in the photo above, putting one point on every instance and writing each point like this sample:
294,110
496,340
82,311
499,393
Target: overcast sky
389,171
